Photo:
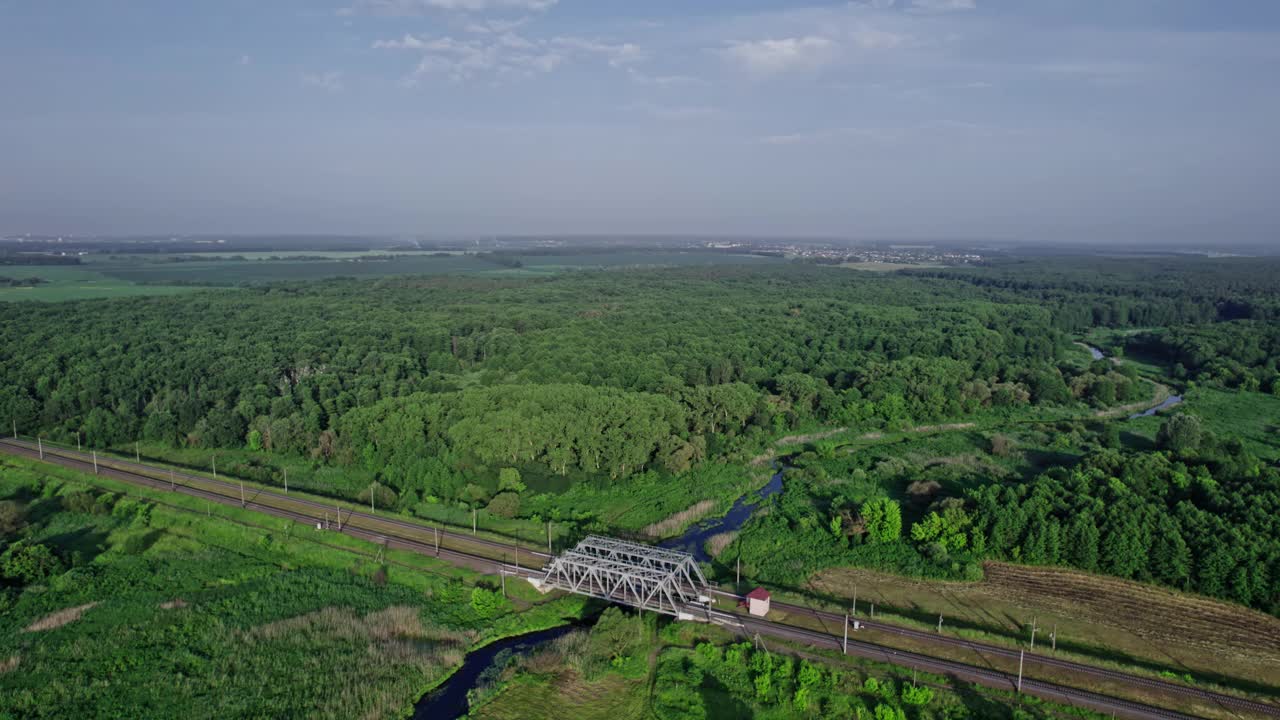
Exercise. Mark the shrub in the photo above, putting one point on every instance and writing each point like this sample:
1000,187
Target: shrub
916,695
487,603
79,502
1002,445
11,518
505,505
29,562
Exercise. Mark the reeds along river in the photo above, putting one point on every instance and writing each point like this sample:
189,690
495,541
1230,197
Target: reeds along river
694,539
451,700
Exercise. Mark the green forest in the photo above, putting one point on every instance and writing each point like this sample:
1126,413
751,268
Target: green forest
568,395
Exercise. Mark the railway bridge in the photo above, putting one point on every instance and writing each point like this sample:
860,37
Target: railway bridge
642,576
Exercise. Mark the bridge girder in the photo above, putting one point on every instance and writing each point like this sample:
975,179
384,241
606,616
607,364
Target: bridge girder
642,576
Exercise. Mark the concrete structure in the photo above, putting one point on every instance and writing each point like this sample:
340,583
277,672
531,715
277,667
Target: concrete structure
642,576
758,602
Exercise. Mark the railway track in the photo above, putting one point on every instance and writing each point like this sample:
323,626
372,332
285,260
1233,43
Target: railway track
299,507
400,534
986,650
982,676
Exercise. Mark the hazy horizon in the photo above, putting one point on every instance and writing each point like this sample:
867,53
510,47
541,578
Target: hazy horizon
1046,121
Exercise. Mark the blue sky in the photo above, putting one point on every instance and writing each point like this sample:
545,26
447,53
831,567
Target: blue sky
1010,119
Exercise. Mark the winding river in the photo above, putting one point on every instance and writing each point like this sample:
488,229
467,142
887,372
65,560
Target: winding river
450,701
694,539
1171,401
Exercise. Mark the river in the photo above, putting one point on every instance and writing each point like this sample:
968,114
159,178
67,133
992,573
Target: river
695,538
1171,401
449,701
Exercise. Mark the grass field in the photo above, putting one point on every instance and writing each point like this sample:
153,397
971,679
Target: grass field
568,695
75,283
104,276
1251,417
219,612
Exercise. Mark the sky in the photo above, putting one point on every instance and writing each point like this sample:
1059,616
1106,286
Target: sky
1091,120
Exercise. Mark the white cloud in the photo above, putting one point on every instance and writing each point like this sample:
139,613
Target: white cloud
418,7
496,27
505,54
643,78
768,57
941,6
330,81
670,112
871,39
879,135
617,55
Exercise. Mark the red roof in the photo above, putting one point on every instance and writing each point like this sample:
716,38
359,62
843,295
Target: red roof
758,594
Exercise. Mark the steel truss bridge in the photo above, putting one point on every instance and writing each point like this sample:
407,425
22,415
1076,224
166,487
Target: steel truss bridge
642,576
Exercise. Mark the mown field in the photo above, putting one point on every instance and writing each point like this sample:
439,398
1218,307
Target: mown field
1096,618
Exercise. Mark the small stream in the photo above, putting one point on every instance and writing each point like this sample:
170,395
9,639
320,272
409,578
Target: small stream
695,538
1171,401
449,701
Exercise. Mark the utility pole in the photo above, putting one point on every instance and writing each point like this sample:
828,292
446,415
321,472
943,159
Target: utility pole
844,647
437,529
286,481
548,537
215,467
371,510
1033,634
95,462
1021,654
172,484
137,454
855,599
77,442
1053,638
15,429
873,611
473,521
339,509
939,623
40,445
913,676
738,581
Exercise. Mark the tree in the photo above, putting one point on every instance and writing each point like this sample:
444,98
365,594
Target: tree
947,529
487,603
505,505
882,519
29,562
1001,445
1181,433
916,695
11,518
509,480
